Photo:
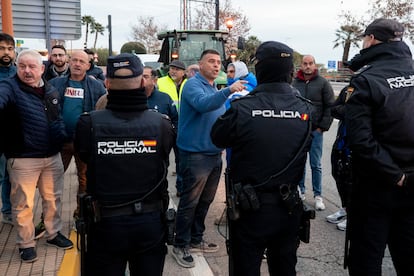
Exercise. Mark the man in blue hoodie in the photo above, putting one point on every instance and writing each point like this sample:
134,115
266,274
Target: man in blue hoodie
200,160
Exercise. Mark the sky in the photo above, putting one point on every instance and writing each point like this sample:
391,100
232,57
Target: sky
306,26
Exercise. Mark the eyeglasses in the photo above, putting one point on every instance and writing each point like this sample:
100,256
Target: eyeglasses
230,71
58,55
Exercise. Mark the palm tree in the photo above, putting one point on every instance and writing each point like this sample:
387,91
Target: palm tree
87,20
98,29
347,36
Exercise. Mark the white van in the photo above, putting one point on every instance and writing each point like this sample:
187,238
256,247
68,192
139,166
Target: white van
150,60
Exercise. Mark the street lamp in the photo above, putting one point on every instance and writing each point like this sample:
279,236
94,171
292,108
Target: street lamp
229,23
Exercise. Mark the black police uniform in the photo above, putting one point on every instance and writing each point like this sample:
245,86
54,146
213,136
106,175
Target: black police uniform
266,130
126,148
380,121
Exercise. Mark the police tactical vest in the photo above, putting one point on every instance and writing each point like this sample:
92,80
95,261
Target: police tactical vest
126,163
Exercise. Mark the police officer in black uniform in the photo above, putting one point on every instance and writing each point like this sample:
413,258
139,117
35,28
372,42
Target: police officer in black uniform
126,147
380,124
268,131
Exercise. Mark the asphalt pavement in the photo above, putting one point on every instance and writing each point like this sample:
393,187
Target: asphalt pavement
322,256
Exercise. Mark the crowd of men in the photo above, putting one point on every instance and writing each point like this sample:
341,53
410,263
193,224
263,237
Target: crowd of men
121,128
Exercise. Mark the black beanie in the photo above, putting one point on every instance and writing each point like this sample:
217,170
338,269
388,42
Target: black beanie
275,62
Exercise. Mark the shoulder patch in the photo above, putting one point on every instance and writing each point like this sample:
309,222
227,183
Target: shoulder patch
362,69
247,96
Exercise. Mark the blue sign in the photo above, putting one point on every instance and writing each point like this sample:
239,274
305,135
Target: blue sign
331,64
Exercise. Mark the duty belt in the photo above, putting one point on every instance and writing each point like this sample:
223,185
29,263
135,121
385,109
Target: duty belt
130,209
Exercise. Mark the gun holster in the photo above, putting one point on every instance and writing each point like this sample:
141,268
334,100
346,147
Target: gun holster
290,196
170,216
304,227
247,197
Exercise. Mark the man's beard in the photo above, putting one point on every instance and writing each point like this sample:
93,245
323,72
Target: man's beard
5,63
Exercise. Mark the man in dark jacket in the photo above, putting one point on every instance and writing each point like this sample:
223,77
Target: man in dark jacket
7,70
34,136
274,118
318,90
379,117
79,93
58,63
126,147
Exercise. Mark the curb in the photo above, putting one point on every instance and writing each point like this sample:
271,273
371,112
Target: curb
70,265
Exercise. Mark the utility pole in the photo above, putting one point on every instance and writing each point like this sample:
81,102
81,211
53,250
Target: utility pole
7,17
110,35
217,14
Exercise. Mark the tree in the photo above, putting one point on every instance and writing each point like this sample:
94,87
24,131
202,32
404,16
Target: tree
247,54
205,19
98,29
87,20
400,10
348,33
133,47
146,32
103,55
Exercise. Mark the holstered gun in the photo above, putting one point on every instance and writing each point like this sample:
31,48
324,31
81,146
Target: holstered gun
88,214
233,214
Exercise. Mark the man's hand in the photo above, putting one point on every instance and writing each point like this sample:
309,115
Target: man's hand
238,86
401,181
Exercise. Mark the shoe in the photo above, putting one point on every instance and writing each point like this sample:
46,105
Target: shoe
7,219
319,203
337,217
183,257
204,247
301,194
342,225
28,255
40,230
60,241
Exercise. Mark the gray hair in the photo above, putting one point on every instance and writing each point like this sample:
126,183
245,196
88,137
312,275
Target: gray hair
32,53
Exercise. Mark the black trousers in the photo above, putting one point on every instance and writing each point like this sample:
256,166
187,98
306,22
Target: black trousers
136,239
271,228
378,217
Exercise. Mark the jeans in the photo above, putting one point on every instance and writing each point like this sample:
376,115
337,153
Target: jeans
67,152
315,155
25,175
138,240
200,177
5,187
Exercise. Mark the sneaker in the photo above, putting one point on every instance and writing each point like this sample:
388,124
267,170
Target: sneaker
342,225
60,241
204,247
301,194
7,219
28,255
319,203
183,257
337,217
40,230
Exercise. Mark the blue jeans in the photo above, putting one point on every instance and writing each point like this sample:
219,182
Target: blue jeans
5,187
200,177
315,155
